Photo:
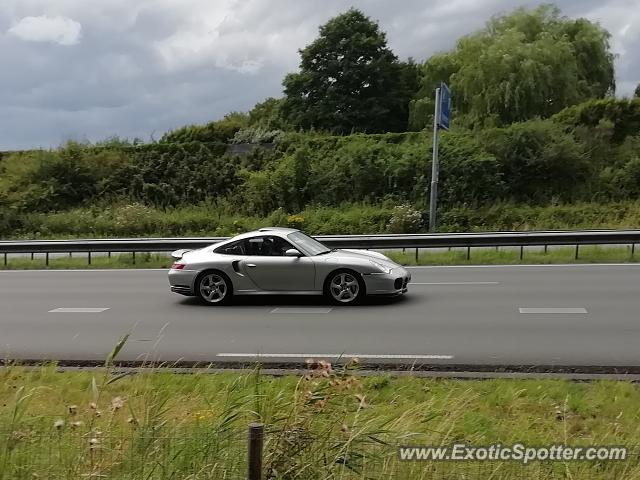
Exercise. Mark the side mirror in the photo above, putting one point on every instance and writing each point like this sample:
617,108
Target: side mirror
292,252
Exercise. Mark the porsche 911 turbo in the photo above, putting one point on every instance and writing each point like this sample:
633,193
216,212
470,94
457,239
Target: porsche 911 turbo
283,261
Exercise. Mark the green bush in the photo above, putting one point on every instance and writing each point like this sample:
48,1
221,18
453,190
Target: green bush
218,131
538,161
623,115
404,219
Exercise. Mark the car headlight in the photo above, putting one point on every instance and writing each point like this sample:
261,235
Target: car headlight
381,267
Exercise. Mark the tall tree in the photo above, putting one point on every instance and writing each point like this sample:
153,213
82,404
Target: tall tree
349,80
526,64
636,93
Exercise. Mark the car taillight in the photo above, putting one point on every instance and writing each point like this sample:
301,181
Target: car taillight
177,266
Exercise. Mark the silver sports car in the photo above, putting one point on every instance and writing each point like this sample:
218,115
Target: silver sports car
283,261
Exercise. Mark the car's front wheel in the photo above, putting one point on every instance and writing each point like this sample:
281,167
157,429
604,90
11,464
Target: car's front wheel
344,287
214,288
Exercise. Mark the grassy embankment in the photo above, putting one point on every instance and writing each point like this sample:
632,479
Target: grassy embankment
135,220
329,424
141,221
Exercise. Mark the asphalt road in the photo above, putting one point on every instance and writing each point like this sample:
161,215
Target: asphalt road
504,315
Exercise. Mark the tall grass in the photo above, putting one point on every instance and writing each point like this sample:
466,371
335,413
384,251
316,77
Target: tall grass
327,424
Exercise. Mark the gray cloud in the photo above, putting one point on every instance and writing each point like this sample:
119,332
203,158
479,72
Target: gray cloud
94,69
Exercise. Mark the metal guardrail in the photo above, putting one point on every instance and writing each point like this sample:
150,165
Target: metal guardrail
417,241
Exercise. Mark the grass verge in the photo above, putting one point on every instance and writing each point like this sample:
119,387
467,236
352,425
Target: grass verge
328,424
478,256
511,256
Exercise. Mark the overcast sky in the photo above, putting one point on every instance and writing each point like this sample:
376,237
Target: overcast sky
90,69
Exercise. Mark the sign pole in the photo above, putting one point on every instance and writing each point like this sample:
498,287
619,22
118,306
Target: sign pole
434,167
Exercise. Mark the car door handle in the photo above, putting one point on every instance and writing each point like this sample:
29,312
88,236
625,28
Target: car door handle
251,265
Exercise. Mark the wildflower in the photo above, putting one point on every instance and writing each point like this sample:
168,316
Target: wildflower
73,409
117,403
97,413
94,442
324,365
93,406
132,420
58,424
76,424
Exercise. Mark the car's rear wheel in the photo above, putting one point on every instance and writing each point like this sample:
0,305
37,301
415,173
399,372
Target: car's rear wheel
214,288
344,287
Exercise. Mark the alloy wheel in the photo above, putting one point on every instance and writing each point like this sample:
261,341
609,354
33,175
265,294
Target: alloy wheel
344,287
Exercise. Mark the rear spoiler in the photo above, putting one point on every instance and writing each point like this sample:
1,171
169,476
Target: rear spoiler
177,255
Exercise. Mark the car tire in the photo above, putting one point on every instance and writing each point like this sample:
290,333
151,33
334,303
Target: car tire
344,287
213,287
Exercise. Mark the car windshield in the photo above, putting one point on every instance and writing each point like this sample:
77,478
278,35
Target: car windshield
307,244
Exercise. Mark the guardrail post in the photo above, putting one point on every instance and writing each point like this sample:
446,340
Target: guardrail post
46,259
70,254
521,252
134,257
32,256
546,247
5,259
416,256
577,251
633,249
468,253
108,254
88,258
256,439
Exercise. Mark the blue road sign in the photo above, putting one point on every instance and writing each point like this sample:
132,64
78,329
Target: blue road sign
445,106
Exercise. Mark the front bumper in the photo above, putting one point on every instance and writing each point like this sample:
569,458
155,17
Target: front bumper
181,281
394,283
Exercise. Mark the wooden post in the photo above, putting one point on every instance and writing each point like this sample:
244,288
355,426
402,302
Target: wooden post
256,439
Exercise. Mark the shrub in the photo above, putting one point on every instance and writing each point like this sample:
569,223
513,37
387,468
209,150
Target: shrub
404,219
256,135
538,161
218,131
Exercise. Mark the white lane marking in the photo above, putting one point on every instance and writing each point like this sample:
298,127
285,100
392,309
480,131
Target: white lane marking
77,310
553,310
301,310
335,355
553,265
454,283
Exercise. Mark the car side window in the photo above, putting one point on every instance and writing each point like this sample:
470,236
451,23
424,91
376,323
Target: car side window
235,248
267,246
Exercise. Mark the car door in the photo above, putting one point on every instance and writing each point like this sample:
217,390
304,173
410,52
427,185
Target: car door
268,267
